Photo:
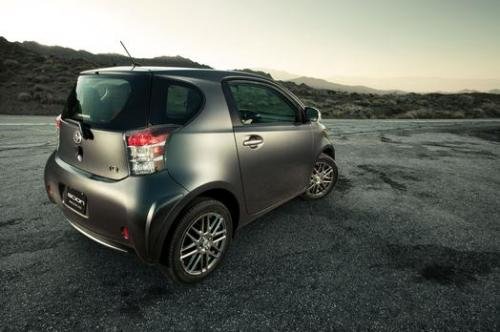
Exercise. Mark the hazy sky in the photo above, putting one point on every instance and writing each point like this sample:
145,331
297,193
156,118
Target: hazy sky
378,40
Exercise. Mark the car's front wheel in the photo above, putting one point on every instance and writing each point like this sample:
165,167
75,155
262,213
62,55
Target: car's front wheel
199,241
323,178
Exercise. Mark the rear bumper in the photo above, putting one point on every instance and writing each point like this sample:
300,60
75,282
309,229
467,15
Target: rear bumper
99,239
111,205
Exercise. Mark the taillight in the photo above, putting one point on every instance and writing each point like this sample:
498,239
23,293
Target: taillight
125,234
58,129
58,121
146,150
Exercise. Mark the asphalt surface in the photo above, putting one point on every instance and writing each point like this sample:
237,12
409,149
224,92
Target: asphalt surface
408,240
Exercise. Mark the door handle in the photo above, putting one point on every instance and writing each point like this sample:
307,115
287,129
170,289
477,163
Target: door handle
253,141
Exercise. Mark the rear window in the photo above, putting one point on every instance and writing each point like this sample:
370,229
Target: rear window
110,102
174,103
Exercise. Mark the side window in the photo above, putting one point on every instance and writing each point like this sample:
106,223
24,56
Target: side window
261,104
173,103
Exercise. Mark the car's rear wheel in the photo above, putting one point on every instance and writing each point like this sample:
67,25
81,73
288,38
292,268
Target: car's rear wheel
199,241
323,178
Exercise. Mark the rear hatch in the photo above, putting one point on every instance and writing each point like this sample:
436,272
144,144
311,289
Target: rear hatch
100,109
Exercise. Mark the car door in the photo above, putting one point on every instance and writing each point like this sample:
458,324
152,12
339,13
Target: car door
274,145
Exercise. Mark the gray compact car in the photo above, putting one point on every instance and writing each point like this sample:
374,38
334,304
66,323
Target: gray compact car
169,162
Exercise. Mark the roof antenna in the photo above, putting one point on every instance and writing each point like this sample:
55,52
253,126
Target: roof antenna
134,63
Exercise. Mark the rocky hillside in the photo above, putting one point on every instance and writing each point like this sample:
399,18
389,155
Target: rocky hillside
334,104
318,83
35,79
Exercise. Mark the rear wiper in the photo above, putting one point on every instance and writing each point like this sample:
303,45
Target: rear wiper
83,127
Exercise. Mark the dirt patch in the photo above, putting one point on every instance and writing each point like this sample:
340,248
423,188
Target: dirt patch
442,265
384,177
135,302
385,139
10,222
344,184
492,134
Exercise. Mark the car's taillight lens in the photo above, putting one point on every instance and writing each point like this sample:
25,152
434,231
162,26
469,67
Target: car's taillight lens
58,128
58,121
146,149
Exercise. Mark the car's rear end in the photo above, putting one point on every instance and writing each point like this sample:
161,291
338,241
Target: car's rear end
108,172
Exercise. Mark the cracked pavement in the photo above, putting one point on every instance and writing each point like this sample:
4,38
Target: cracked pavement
408,240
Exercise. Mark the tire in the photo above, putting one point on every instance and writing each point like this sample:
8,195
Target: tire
319,191
209,251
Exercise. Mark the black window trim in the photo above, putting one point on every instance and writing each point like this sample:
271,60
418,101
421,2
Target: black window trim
233,109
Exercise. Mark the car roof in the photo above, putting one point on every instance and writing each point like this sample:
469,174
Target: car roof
200,73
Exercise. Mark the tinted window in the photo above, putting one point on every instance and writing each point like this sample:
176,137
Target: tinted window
261,104
174,103
108,102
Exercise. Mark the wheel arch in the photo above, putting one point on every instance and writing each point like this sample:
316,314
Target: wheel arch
329,150
218,191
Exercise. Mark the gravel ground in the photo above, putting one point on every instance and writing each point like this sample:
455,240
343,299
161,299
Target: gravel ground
408,240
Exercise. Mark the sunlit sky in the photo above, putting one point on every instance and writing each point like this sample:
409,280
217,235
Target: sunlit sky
372,42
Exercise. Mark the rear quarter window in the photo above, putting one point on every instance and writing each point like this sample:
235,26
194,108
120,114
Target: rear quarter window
173,102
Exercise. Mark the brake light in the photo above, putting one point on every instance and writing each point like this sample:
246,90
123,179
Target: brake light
125,234
58,129
58,121
146,150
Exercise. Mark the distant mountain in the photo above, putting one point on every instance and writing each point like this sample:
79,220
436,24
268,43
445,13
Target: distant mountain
108,59
466,91
421,84
495,91
255,72
280,75
319,83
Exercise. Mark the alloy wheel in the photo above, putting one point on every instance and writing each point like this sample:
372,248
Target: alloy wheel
203,243
321,179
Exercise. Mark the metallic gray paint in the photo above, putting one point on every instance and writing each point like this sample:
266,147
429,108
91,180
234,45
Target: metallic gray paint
105,154
207,153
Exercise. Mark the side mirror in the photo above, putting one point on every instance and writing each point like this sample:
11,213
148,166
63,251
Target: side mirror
312,114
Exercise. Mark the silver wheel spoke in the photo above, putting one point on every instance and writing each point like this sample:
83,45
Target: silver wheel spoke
189,254
193,244
191,237
217,223
207,260
203,243
214,255
197,260
190,265
219,233
219,239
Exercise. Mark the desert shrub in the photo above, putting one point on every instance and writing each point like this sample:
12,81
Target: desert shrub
10,62
47,98
39,87
62,79
491,109
465,100
59,100
23,96
41,79
475,112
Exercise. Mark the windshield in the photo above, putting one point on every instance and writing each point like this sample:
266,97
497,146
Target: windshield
111,102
